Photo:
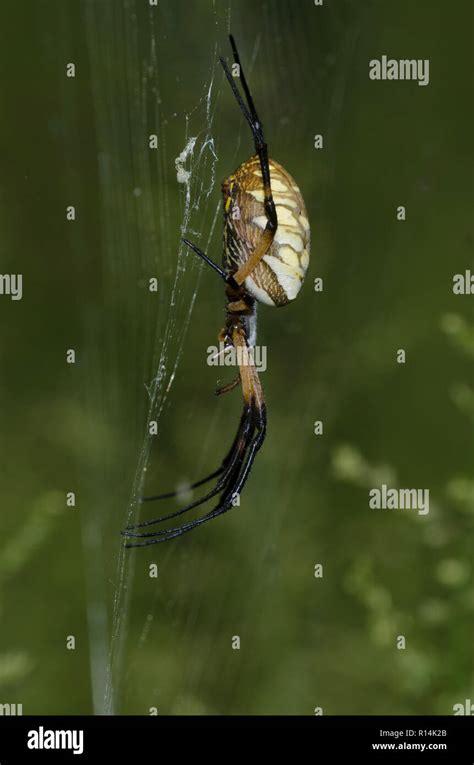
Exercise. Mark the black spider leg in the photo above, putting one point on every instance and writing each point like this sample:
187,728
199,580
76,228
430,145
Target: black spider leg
224,506
254,442
170,494
196,484
228,468
238,460
228,278
256,127
250,114
235,457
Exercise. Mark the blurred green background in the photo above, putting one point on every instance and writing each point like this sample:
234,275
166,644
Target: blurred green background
165,642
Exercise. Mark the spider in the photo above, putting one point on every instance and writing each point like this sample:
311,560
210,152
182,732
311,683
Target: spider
266,256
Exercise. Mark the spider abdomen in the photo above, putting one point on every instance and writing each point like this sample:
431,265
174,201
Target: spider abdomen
278,277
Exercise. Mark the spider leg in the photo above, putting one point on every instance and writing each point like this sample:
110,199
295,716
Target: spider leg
226,503
170,494
228,278
214,474
248,441
250,114
227,468
228,387
227,489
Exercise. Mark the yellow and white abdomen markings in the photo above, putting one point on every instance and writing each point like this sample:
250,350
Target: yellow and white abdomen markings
288,257
277,278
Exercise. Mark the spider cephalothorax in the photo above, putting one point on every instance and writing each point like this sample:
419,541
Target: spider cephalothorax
266,256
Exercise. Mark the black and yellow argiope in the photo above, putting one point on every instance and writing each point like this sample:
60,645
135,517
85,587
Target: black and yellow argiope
266,256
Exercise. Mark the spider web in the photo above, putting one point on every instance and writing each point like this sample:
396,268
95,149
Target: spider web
195,172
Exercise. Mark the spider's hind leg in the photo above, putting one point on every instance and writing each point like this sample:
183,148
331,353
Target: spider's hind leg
227,470
195,485
247,442
254,441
